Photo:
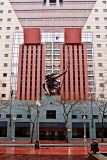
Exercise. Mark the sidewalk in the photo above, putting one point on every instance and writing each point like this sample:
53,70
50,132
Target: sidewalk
49,143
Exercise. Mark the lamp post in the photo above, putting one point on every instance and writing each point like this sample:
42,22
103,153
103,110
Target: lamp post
37,124
84,118
14,120
91,98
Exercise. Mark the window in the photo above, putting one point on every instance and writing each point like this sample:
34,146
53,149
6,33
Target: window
99,54
9,11
3,95
105,18
105,36
0,28
51,114
16,28
100,64
1,3
28,116
52,1
101,95
7,37
96,19
97,36
105,27
100,74
98,45
95,116
88,27
19,115
3,84
97,27
8,28
104,2
4,74
5,55
9,19
74,116
60,1
1,11
105,116
44,1
8,116
104,10
6,45
96,10
101,84
1,19
5,64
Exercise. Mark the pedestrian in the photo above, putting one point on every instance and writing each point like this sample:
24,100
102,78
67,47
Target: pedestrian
94,146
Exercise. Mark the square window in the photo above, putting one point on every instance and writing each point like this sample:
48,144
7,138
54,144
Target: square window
100,64
9,11
3,95
0,28
96,10
8,19
99,54
51,114
105,27
101,84
96,19
101,95
8,28
7,37
85,116
6,45
95,116
1,11
8,116
104,2
98,45
97,36
5,55
1,3
29,116
3,84
16,28
19,115
74,116
88,27
52,1
1,19
4,74
5,64
100,74
97,27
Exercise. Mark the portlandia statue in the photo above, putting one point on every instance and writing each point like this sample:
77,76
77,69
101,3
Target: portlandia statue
52,85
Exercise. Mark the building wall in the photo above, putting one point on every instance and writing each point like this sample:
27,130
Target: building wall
97,23
8,25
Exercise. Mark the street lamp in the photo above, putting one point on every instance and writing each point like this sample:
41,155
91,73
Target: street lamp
37,124
14,120
84,118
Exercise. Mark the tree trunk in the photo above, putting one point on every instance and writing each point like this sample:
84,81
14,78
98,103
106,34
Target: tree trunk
102,135
32,132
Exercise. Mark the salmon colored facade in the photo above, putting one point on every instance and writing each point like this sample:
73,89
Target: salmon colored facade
75,81
32,36
31,69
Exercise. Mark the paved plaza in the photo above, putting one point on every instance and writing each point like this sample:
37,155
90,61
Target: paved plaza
47,153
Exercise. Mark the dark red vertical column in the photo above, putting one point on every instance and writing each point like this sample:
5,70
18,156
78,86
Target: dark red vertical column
81,73
71,74
85,72
66,75
38,73
76,73
61,70
28,73
19,72
33,72
24,73
43,66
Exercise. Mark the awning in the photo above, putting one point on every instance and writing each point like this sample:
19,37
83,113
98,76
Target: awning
3,124
99,124
22,124
79,125
52,125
